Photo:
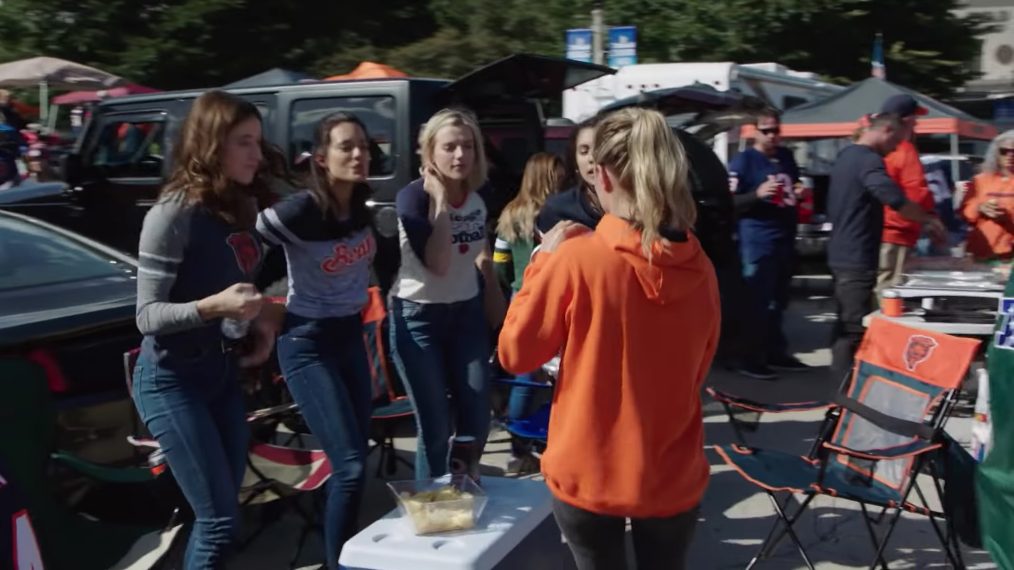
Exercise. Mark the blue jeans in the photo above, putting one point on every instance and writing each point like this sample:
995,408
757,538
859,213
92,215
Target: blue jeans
519,405
194,407
441,348
767,270
328,374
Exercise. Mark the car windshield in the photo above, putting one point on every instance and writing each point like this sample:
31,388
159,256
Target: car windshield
33,256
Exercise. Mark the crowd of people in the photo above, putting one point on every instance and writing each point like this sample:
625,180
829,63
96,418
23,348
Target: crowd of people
599,257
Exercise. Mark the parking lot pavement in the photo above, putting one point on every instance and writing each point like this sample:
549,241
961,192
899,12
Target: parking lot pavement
734,516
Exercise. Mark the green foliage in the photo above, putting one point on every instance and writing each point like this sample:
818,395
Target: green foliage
188,43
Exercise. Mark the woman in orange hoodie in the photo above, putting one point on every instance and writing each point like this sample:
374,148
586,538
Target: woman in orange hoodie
625,435
989,203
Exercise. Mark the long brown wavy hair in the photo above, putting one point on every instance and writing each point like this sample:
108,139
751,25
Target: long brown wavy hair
197,175
542,178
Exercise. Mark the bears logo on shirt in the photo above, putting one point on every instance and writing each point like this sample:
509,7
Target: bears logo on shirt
344,255
246,250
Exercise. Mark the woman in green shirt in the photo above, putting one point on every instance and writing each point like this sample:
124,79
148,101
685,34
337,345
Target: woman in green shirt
516,238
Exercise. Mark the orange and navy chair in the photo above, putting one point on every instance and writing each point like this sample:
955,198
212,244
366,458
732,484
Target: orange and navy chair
887,426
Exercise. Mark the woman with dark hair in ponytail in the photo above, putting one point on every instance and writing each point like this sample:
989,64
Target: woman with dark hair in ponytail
327,235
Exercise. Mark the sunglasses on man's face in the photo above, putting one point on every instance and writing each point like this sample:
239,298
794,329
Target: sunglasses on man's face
1006,151
770,130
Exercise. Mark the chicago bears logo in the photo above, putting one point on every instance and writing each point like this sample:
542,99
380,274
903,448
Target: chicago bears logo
245,248
918,350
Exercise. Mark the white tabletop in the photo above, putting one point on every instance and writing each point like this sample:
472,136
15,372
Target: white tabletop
515,508
915,319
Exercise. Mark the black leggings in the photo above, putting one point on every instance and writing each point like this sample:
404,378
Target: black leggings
597,541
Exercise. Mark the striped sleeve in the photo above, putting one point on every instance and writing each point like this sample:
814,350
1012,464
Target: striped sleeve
503,263
278,224
160,253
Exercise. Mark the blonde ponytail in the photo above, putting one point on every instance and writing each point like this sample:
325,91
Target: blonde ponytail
648,160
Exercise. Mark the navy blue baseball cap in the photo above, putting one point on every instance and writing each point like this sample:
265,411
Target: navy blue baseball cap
903,106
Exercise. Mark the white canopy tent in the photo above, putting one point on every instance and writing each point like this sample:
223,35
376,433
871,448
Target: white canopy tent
55,73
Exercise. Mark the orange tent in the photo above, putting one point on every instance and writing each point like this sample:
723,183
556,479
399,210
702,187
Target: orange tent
369,70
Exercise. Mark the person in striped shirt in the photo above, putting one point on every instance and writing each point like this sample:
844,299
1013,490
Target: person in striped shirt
327,234
201,317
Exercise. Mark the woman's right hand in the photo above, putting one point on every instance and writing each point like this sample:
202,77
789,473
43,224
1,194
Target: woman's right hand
240,301
434,185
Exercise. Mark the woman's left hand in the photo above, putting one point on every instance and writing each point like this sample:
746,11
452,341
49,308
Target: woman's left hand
263,332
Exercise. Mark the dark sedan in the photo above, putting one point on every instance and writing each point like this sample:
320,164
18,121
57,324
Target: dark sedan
66,302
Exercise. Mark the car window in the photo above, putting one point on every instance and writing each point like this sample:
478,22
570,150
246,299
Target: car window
33,256
130,148
377,113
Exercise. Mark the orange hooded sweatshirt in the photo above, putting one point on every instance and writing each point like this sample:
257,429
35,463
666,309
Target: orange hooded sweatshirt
904,168
636,341
989,238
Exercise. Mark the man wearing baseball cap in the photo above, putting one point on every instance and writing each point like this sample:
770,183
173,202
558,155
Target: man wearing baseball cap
903,166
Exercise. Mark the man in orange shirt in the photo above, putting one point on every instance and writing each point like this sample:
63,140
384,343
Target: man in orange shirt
903,166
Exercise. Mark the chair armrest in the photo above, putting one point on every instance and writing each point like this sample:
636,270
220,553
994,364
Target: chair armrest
911,449
104,473
773,408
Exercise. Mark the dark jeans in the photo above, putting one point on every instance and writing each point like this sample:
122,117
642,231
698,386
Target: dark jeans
328,374
767,269
194,407
597,541
853,298
441,348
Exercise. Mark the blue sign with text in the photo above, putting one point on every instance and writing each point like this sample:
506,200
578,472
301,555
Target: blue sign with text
579,44
622,46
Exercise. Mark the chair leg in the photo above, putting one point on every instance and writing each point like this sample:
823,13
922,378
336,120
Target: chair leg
869,527
778,539
883,542
790,522
783,520
951,545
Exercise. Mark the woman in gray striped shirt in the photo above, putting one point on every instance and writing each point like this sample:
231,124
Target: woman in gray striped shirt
194,299
327,234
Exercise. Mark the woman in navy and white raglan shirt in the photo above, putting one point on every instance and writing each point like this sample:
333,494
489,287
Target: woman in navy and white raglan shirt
439,327
197,255
327,234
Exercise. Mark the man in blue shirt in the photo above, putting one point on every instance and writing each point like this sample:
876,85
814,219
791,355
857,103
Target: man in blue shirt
764,180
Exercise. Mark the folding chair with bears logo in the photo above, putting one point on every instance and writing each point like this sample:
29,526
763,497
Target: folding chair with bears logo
886,427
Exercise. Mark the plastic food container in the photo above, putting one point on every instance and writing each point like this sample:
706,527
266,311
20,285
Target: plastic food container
444,504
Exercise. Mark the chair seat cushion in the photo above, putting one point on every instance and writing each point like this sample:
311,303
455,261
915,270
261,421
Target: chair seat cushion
778,471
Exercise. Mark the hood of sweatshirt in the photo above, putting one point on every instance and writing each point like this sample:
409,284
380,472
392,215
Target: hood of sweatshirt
675,270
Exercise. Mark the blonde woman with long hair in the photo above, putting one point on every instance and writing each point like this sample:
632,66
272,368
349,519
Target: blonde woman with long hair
441,314
516,238
629,383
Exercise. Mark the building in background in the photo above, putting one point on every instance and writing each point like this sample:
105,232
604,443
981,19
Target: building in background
992,95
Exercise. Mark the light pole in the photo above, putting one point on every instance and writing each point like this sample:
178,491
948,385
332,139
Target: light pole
598,31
